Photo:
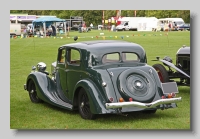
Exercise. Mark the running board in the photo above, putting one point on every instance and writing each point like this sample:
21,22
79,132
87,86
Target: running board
54,99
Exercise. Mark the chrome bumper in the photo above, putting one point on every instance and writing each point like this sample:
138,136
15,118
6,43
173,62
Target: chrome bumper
143,105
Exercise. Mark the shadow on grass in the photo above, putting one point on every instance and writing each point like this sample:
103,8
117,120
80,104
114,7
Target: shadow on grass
109,118
132,116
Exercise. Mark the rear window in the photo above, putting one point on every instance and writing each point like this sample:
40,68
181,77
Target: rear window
115,57
130,57
112,57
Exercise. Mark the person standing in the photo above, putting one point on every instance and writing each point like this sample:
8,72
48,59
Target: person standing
91,25
54,30
80,28
84,27
170,25
175,25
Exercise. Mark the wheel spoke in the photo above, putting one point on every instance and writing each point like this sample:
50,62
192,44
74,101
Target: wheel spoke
33,94
84,105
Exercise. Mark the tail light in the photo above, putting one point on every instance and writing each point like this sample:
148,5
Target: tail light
170,95
121,100
111,99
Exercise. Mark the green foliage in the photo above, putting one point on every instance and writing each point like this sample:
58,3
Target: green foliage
24,53
95,16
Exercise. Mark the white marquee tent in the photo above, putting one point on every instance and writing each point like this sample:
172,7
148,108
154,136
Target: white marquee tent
147,24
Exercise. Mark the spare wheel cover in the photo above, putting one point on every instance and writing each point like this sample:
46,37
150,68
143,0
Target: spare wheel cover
136,84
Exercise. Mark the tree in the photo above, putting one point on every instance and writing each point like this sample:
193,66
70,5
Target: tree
95,16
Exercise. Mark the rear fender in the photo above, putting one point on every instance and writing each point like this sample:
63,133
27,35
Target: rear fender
173,66
97,101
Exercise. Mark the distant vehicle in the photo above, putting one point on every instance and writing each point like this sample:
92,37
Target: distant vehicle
15,29
184,27
164,22
128,23
182,68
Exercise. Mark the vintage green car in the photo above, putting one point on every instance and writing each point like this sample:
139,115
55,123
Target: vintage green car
101,77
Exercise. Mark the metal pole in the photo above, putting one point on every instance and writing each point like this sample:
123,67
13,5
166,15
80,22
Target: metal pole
33,28
65,27
103,19
44,26
68,29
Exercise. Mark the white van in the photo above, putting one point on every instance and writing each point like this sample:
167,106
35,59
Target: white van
15,29
129,23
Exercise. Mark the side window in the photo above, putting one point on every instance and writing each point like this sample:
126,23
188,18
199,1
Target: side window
130,57
74,57
62,56
112,57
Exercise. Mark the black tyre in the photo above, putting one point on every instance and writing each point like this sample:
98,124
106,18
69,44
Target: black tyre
136,84
32,93
84,105
162,73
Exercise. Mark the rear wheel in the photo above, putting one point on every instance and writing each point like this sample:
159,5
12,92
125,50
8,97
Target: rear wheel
32,93
84,105
162,73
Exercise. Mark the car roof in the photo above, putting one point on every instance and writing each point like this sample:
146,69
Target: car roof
103,45
98,48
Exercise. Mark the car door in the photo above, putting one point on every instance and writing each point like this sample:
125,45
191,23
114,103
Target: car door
73,71
61,77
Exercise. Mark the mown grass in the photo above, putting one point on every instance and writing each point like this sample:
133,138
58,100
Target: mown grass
26,52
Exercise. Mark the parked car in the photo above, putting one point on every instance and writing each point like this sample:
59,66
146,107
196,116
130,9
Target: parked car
180,72
101,77
184,27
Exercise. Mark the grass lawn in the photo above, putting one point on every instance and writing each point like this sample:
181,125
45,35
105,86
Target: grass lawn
26,52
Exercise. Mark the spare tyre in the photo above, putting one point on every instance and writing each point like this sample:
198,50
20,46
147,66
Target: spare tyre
136,84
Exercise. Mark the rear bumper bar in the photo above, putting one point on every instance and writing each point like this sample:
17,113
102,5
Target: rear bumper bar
143,105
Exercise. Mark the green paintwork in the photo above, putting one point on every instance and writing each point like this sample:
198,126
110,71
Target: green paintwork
89,74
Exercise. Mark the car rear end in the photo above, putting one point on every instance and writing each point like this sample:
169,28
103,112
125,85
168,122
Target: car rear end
134,88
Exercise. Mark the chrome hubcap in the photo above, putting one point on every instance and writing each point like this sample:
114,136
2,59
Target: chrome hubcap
82,104
138,84
32,91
